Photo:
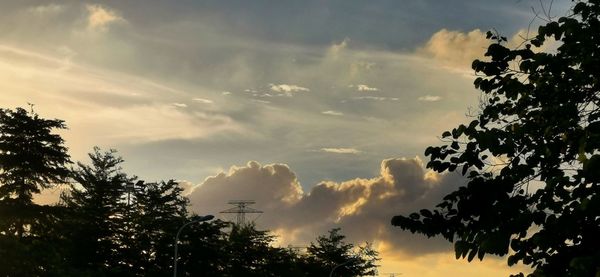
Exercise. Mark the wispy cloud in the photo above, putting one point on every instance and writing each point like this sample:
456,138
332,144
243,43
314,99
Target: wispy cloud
203,100
104,107
340,150
366,88
430,98
46,9
285,88
261,101
335,113
376,98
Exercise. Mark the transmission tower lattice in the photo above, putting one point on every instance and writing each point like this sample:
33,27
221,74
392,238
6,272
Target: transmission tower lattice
241,209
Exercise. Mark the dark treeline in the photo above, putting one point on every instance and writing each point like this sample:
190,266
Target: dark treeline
104,225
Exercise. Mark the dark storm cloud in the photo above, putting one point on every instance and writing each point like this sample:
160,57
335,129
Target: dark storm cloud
386,24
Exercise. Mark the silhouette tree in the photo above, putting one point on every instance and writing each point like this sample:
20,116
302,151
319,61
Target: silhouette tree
97,205
532,156
250,253
114,229
330,251
203,249
157,211
32,158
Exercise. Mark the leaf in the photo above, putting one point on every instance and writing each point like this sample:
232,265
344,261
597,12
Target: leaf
426,213
472,254
454,145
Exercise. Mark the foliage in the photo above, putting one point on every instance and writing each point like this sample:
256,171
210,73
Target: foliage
203,249
98,211
32,158
250,254
331,252
156,213
531,156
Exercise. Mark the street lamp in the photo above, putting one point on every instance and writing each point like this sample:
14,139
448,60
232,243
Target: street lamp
200,219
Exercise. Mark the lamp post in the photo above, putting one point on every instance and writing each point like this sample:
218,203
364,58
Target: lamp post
201,219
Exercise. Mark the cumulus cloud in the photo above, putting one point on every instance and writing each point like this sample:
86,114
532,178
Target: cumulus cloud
455,47
180,105
403,186
459,49
278,187
340,150
99,17
330,112
430,98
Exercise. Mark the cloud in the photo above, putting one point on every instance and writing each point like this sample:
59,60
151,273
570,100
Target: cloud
403,186
104,108
261,101
285,88
366,88
430,98
456,48
336,48
334,113
376,98
340,150
203,100
459,49
99,17
243,183
49,9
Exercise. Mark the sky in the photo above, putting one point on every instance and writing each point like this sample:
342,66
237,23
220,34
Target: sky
318,110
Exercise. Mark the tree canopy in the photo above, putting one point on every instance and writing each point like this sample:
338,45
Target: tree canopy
32,157
331,252
531,156
110,223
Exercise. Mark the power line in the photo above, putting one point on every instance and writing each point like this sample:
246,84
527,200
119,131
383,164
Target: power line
241,209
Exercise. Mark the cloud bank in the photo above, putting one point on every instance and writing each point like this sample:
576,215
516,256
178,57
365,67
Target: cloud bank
362,207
